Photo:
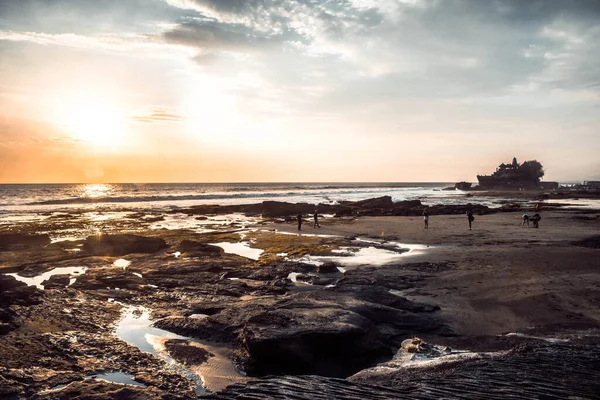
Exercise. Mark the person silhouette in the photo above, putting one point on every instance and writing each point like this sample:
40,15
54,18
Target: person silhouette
426,218
470,217
316,216
299,221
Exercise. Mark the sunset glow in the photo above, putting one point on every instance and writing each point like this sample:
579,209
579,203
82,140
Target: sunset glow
94,121
283,90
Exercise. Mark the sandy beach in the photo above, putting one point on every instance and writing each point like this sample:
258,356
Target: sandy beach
504,277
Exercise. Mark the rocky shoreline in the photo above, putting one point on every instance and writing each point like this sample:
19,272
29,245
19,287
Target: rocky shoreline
278,326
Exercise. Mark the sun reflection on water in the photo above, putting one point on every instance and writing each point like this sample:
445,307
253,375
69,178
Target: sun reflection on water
95,190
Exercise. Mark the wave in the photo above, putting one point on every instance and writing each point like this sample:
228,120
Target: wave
213,196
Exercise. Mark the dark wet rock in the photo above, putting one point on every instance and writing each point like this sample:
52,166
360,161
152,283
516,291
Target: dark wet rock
57,281
205,328
34,270
328,268
15,292
327,341
304,278
478,209
336,332
499,376
530,371
187,352
120,245
8,240
9,282
280,271
99,390
200,249
108,278
323,281
380,202
379,206
591,242
306,388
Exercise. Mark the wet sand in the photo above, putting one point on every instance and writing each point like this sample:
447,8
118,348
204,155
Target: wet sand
504,277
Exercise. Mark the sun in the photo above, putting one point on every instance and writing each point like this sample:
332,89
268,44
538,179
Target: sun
94,120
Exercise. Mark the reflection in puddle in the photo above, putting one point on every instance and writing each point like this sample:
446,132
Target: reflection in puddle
136,329
116,377
372,255
37,280
218,372
545,339
241,249
293,276
122,263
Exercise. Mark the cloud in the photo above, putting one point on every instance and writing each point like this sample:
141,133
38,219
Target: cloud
86,16
158,116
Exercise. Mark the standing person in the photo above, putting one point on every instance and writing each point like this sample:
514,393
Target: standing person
525,220
470,217
426,218
536,220
316,216
299,221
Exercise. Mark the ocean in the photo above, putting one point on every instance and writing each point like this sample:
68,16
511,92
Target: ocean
34,198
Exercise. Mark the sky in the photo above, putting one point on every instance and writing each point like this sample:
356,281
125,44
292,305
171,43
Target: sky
297,90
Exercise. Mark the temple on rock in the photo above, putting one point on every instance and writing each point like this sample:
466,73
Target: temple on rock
516,176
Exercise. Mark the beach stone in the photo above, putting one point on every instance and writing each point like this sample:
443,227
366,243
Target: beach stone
187,353
329,268
107,278
120,245
200,249
377,202
17,239
13,291
57,281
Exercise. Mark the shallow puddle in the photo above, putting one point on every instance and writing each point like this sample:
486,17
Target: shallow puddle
545,339
241,249
355,256
122,263
116,377
136,329
36,281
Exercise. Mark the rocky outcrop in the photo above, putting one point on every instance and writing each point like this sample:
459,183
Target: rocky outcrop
120,245
14,292
10,240
200,249
108,279
322,340
329,268
333,332
57,281
380,206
